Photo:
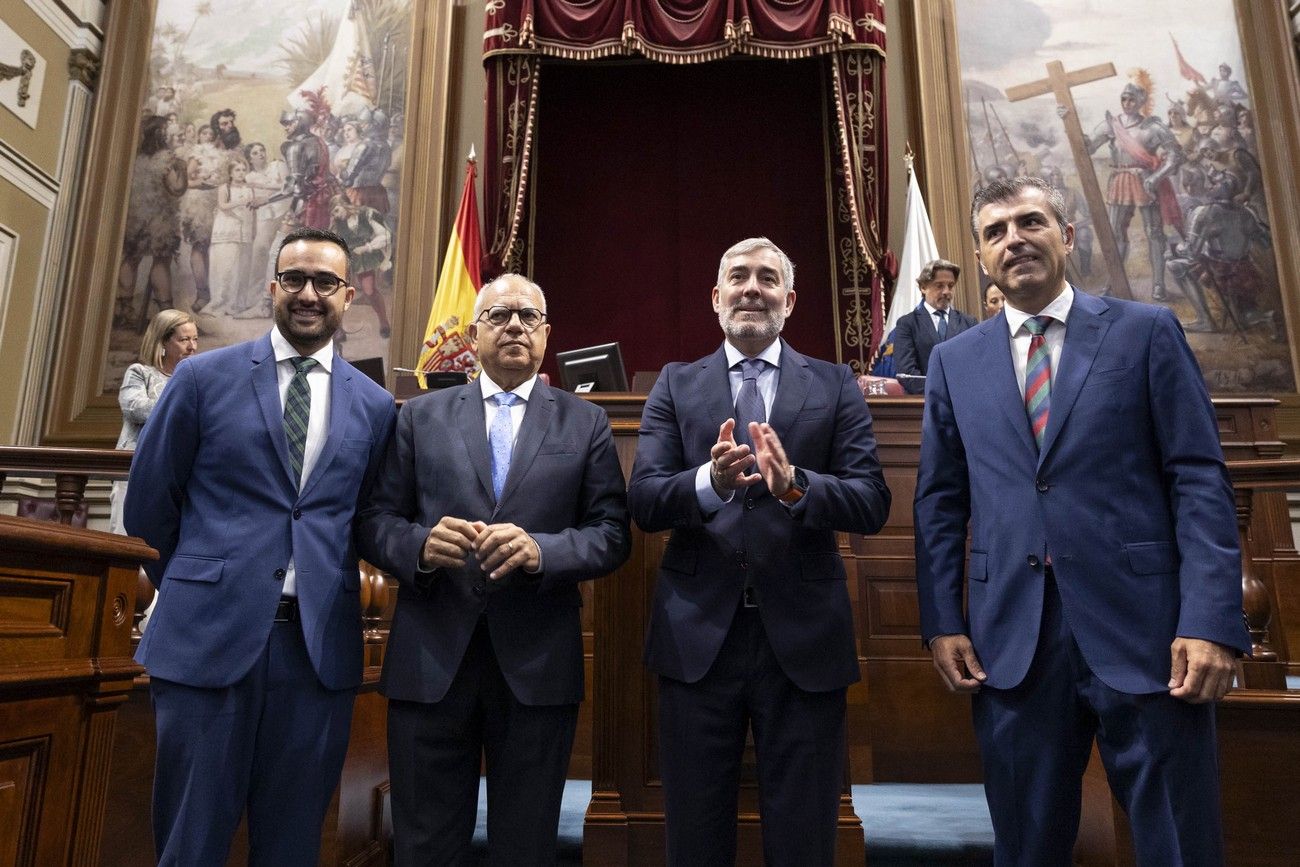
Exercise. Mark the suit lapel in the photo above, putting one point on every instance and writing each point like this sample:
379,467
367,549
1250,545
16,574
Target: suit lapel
473,430
1002,382
340,410
537,418
267,389
791,389
1084,331
925,324
715,387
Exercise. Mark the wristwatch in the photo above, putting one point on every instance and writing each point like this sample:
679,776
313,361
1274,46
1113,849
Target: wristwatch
798,488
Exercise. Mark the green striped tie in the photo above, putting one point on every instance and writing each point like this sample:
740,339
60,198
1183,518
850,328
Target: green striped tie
297,412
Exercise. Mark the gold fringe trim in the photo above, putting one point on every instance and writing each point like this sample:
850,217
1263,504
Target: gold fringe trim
846,159
738,38
525,152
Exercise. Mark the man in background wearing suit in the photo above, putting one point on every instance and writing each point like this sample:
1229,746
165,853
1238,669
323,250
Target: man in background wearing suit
246,480
495,500
1075,437
754,457
934,320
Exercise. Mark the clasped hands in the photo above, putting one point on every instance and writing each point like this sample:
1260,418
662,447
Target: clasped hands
499,548
1200,671
729,463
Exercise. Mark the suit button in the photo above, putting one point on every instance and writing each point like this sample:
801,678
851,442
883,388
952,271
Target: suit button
297,513
479,588
279,574
1033,560
749,502
1042,486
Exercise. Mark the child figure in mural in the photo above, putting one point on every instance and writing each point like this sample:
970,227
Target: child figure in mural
198,207
267,178
233,228
158,180
364,230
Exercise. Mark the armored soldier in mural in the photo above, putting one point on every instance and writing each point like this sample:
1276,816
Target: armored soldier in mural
1217,255
1144,153
363,176
310,184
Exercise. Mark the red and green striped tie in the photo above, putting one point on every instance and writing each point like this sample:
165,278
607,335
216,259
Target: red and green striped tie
1038,376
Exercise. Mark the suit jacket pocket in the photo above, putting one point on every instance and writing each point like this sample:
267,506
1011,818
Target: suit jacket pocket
1108,376
821,566
1152,558
978,570
184,567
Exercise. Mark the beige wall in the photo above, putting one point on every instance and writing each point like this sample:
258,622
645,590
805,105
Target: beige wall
38,180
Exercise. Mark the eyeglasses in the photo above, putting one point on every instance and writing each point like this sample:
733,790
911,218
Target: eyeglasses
325,283
499,316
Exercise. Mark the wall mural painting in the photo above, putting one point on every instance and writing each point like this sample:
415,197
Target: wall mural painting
1140,111
258,119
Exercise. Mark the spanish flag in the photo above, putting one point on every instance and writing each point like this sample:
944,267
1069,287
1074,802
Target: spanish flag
446,346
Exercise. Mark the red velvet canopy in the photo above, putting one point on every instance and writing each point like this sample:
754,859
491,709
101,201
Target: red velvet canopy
849,34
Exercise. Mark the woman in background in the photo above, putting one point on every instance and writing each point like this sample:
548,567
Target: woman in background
170,337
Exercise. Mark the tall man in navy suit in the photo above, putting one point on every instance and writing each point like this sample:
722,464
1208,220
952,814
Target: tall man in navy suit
1074,436
754,457
496,499
246,480
933,320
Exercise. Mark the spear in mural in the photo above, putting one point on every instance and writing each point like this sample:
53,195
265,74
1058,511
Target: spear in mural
1006,135
988,131
974,155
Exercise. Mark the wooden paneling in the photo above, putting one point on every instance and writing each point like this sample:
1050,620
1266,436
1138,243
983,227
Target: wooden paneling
66,597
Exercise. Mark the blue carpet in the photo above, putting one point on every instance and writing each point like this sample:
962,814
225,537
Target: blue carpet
933,823
905,823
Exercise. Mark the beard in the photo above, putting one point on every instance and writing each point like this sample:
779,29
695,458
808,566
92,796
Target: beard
764,329
307,333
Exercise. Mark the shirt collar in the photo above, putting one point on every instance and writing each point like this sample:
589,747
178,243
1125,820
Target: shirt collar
284,349
1058,309
490,388
772,355
934,310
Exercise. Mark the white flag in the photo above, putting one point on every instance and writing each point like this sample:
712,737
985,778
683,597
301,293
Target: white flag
919,248
348,73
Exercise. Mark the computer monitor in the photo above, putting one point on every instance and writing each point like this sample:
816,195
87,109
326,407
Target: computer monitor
594,368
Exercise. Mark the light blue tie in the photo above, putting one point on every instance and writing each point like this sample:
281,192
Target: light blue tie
502,439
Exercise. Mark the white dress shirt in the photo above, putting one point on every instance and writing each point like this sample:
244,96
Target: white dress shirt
768,380
934,314
491,390
1054,335
318,381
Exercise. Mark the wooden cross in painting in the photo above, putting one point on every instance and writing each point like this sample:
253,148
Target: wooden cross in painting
1059,82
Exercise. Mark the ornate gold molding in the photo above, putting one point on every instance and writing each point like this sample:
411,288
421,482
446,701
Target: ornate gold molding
22,71
83,67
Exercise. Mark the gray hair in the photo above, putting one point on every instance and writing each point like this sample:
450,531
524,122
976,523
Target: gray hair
1010,188
519,281
931,269
749,245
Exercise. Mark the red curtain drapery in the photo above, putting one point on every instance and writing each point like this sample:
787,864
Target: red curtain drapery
850,34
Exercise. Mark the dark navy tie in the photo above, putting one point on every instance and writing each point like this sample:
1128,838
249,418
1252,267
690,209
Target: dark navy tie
749,401
943,323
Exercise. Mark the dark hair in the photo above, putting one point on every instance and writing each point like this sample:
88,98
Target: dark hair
932,269
153,135
1005,189
310,234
